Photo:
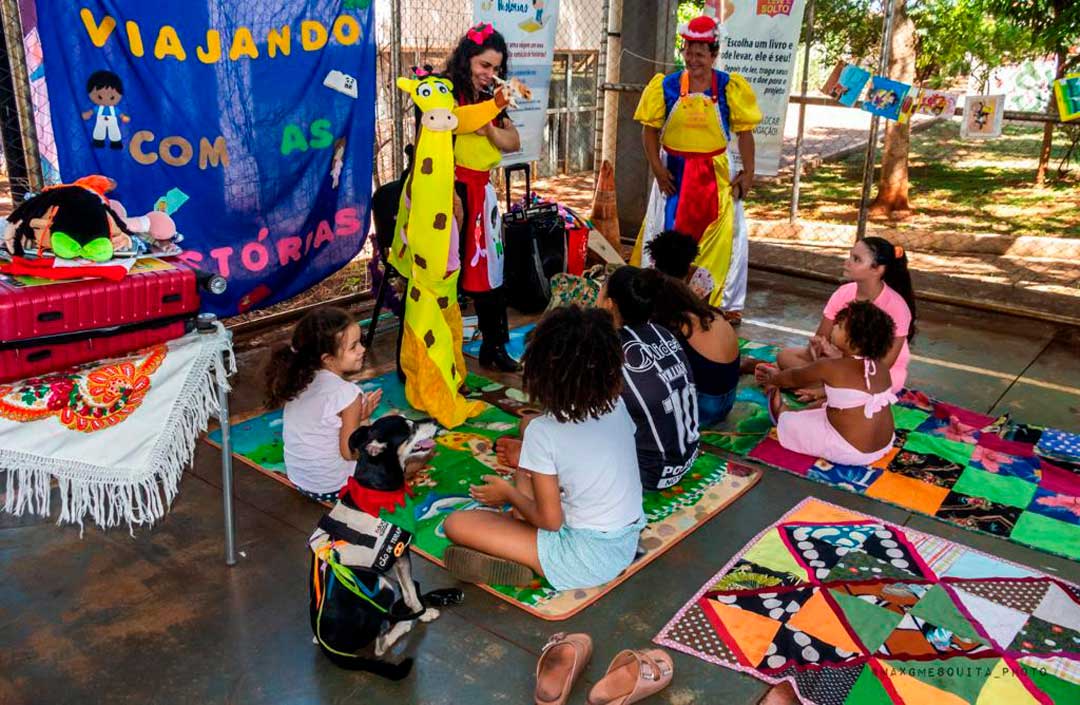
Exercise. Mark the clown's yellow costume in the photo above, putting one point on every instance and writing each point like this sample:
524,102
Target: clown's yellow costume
695,131
425,251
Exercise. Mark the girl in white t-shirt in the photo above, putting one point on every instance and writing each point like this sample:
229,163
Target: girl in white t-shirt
322,408
576,495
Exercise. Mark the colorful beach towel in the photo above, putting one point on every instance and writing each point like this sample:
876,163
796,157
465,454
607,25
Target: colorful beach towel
465,455
851,610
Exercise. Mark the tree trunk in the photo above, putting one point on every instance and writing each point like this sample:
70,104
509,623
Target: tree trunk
892,195
1048,128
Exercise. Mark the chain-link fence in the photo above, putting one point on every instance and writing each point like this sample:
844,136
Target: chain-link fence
426,32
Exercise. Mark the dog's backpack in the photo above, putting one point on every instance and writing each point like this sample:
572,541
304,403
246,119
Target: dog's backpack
350,606
363,540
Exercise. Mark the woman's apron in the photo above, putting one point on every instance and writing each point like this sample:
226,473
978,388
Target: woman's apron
694,141
482,257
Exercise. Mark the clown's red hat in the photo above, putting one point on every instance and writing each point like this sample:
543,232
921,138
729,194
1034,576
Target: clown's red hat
700,29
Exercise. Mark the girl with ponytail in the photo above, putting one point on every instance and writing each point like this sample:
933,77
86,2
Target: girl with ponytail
322,408
877,271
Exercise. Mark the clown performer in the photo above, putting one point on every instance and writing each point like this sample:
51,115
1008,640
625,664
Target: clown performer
425,250
688,118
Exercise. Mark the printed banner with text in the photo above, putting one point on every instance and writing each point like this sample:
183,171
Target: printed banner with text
252,121
529,28
760,42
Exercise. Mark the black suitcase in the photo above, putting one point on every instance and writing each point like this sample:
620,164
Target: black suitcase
534,240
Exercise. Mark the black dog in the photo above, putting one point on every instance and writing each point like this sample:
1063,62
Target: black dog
361,563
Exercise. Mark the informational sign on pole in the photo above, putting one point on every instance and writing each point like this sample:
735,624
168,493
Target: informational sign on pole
760,40
529,28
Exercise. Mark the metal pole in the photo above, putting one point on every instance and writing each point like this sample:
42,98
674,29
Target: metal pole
612,74
796,175
395,94
601,76
871,145
227,475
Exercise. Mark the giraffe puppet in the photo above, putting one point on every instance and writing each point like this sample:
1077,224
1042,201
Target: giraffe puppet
425,250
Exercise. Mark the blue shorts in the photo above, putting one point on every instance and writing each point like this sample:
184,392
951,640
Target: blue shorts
584,558
714,408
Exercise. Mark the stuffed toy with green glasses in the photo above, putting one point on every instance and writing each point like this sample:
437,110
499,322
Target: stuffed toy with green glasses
72,221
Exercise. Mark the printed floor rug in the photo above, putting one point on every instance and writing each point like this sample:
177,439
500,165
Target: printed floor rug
466,454
851,610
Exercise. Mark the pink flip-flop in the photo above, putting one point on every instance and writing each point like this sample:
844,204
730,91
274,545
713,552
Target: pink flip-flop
573,651
632,676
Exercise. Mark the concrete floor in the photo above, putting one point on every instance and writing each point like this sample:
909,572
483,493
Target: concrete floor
158,618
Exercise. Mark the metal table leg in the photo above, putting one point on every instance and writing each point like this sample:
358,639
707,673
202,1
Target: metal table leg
227,477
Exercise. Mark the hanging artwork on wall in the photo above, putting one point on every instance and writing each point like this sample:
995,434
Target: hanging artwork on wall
983,116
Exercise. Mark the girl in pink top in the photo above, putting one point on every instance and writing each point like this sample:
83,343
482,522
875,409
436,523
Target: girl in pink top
876,271
855,427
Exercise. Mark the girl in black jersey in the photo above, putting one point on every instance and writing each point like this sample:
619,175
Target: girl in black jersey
658,385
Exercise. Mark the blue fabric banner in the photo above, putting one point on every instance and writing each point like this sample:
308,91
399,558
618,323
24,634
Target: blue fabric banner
261,113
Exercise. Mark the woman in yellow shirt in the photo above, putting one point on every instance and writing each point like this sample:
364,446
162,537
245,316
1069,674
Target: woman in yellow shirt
481,56
688,118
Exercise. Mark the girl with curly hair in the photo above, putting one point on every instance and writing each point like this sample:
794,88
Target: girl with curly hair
855,426
576,494
322,408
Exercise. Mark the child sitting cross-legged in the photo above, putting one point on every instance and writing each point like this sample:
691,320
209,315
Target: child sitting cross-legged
855,426
576,494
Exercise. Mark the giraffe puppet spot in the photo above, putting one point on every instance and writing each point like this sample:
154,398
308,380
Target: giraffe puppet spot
440,221
420,261
428,166
443,301
429,338
414,294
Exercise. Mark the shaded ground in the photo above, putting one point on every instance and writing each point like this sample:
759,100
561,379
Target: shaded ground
956,185
158,618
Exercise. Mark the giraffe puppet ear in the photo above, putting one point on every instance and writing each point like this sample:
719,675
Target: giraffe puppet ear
407,84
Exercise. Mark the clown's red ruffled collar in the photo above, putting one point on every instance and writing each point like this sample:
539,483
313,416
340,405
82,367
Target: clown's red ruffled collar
373,501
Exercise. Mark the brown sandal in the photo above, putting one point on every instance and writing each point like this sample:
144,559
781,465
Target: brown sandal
564,657
633,676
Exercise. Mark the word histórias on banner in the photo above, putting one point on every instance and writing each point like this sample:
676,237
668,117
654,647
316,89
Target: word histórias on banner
262,116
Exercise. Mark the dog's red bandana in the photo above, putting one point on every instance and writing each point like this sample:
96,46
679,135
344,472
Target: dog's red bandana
373,501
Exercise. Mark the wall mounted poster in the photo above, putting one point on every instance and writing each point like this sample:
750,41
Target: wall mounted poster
529,29
845,83
983,116
252,121
1067,96
759,41
886,97
936,103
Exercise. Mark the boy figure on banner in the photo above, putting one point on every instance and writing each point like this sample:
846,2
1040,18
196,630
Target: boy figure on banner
689,119
105,90
425,250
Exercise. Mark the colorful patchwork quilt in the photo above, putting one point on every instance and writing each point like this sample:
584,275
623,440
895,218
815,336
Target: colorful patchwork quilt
979,472
852,610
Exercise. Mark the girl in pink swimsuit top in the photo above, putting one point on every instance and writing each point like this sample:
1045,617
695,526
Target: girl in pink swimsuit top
855,425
